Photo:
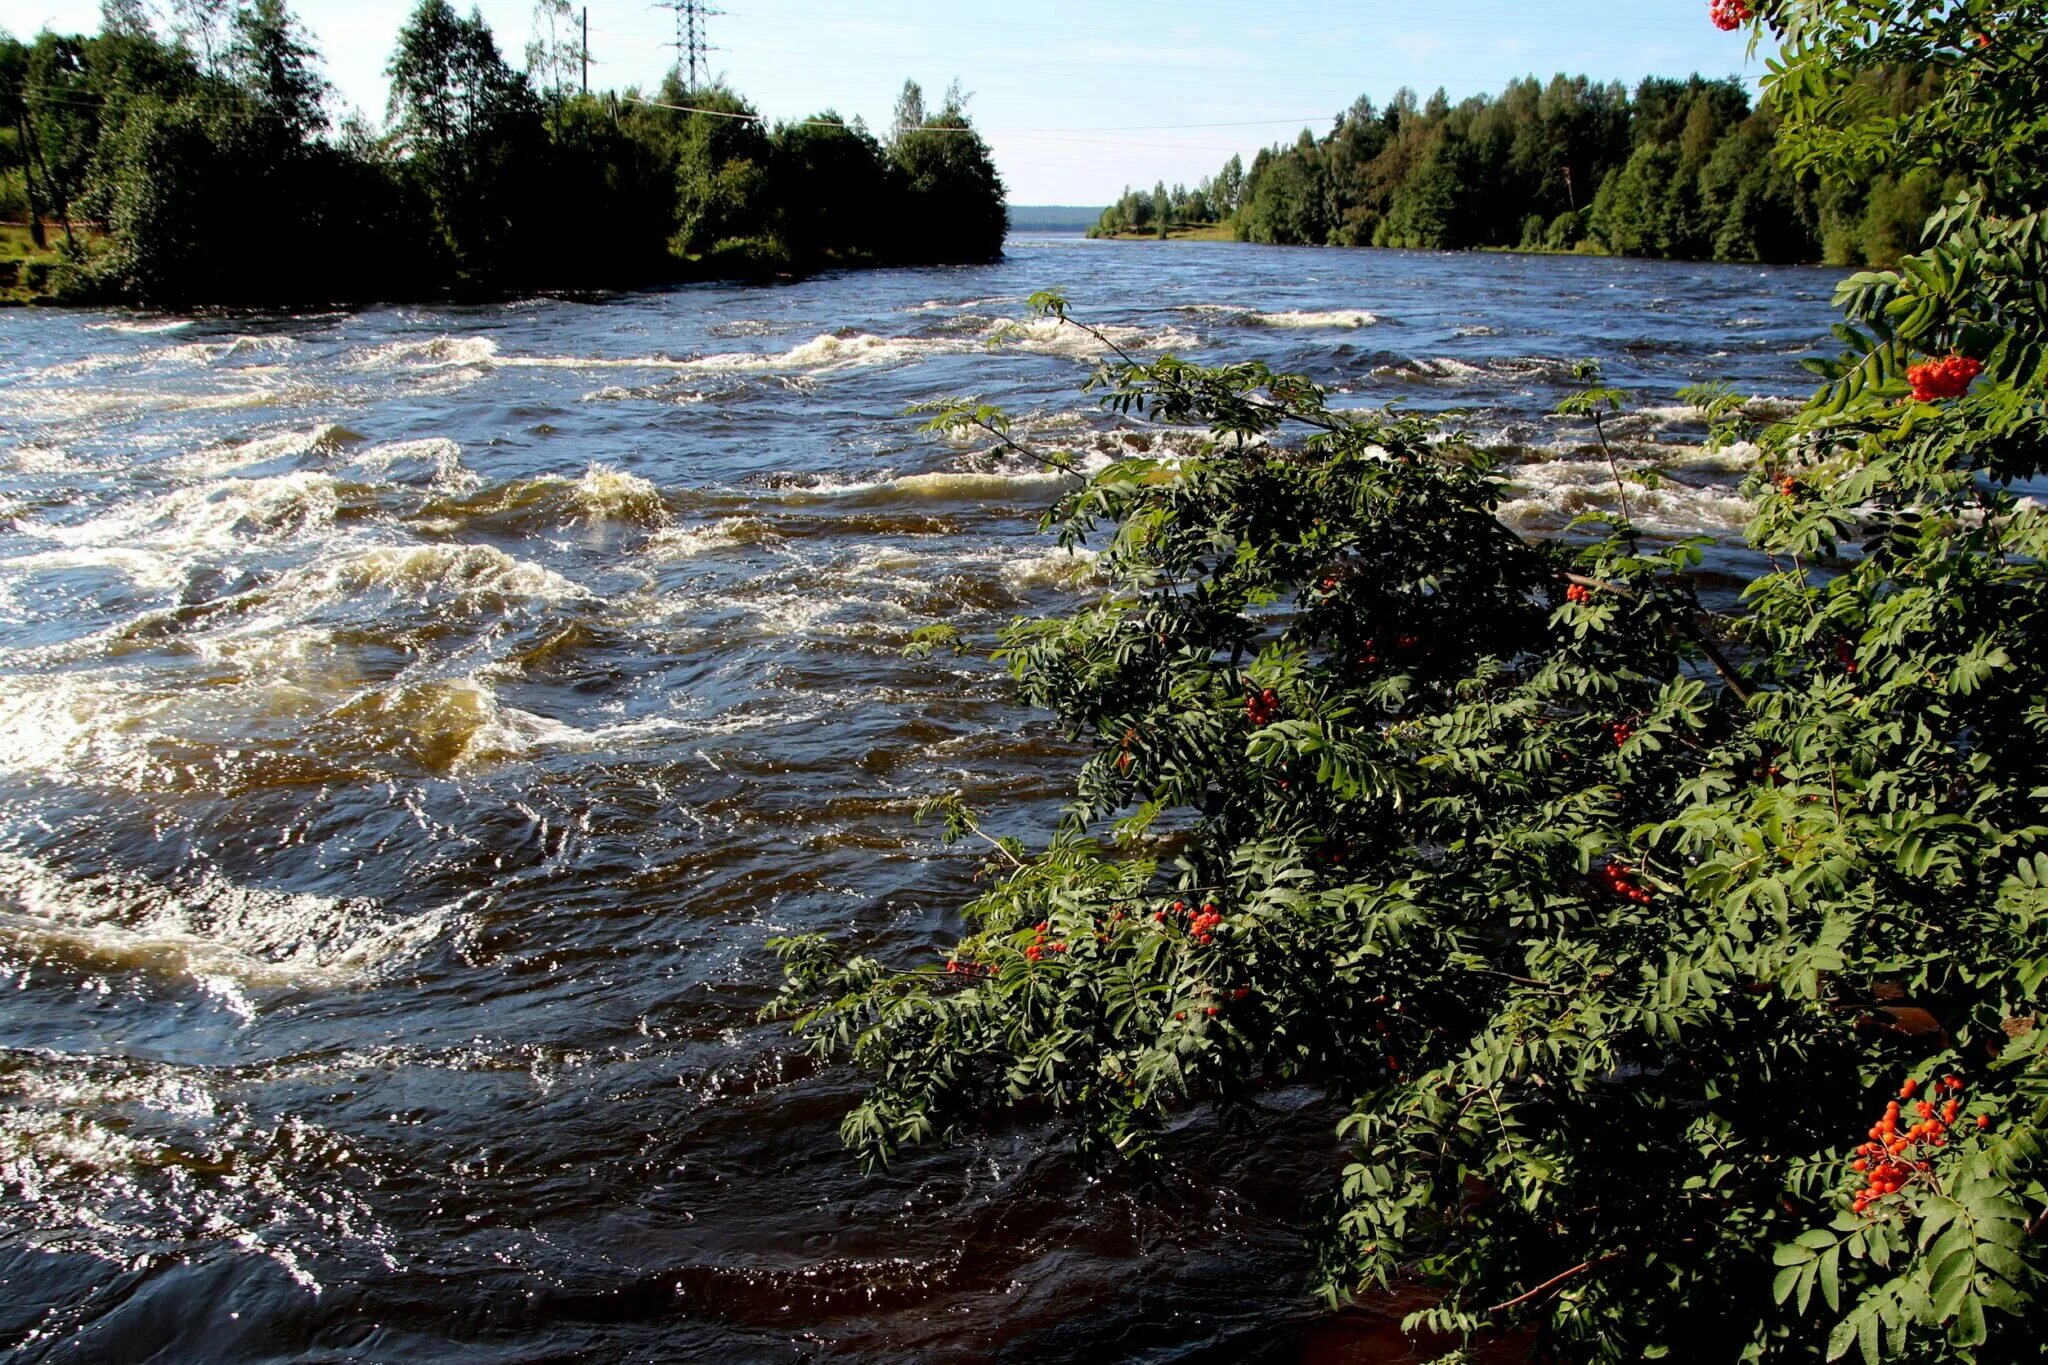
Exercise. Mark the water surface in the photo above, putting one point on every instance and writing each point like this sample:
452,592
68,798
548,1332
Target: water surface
414,722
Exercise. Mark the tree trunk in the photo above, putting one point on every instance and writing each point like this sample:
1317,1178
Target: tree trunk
28,179
57,196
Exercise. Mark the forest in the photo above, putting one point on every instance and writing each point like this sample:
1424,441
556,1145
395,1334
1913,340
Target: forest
204,167
1681,169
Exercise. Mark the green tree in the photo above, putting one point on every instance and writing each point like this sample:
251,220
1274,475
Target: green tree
953,197
721,172
832,175
468,127
270,54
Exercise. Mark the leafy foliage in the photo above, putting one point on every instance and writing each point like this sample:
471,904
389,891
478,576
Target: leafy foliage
1614,920
1675,168
208,166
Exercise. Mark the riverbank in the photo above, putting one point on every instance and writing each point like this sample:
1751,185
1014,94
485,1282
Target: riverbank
28,273
1204,232
42,277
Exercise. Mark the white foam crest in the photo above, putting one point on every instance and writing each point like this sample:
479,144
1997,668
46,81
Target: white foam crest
201,353
830,352
41,1151
1335,319
116,405
827,351
69,1084
687,542
948,305
1054,336
605,493
46,460
1439,367
952,485
469,578
256,939
662,393
141,326
439,352
1067,569
518,732
1545,496
437,458
225,459
149,569
214,516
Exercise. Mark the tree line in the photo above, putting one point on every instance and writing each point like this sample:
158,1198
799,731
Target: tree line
1682,169
202,166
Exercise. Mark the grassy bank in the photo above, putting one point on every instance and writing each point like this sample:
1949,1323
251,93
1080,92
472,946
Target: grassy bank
1205,232
27,273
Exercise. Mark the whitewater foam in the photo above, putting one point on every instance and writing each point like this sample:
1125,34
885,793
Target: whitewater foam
210,927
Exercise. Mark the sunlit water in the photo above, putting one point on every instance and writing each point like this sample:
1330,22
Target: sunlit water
413,724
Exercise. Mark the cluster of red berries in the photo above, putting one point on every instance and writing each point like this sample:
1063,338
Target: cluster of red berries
955,967
1262,708
1948,377
1789,486
1578,594
1038,947
1729,15
1845,656
1402,644
1241,994
1621,881
1623,732
1894,1159
1202,926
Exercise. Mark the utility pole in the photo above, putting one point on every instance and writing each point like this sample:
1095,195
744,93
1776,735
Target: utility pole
586,49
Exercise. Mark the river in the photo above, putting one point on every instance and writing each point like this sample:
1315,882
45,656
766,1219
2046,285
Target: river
414,722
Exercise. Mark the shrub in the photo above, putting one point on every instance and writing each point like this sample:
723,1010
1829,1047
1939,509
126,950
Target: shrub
1681,970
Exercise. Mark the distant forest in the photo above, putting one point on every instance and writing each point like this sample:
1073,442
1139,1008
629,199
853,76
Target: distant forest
202,167
1682,169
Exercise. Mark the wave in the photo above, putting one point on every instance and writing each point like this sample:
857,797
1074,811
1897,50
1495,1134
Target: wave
954,485
220,516
1332,319
1067,569
430,353
1449,369
204,928
435,461
226,458
1051,336
1544,498
601,495
727,533
141,326
828,352
456,579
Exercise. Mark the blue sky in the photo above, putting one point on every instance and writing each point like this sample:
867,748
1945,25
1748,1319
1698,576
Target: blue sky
1077,99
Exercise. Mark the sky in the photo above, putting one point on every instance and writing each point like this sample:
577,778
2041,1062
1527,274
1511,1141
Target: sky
1077,98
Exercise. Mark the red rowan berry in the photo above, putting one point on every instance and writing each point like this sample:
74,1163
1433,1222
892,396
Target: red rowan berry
1948,377
1728,15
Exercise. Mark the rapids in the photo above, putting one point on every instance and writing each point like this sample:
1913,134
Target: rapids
414,722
